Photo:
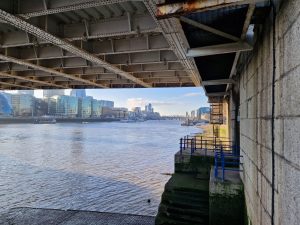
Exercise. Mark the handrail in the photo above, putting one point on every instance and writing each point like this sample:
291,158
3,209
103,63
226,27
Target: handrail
222,158
195,143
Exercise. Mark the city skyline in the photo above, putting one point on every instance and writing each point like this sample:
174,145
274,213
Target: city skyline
171,101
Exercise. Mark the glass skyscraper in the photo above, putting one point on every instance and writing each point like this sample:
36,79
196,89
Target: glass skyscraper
22,104
5,107
105,103
26,92
86,107
96,108
66,106
53,92
79,93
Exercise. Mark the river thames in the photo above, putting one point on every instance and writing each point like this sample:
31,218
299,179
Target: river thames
107,167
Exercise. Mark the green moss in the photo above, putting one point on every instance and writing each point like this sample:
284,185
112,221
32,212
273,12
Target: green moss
199,165
225,209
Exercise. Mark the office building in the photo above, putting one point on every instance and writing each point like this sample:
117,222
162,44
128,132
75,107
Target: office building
63,106
5,106
85,107
79,93
105,103
53,92
96,108
25,92
23,105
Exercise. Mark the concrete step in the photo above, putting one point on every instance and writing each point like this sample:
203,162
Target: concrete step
165,220
185,205
184,211
184,219
185,201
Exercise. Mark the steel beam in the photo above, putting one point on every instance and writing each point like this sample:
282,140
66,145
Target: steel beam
16,85
65,6
249,15
184,7
218,82
217,94
27,79
49,70
136,45
39,33
108,28
174,35
208,28
219,49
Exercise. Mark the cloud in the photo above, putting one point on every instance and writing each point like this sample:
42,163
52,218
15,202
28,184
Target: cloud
192,94
135,102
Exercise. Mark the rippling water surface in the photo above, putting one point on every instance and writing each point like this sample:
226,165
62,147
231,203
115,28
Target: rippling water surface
108,167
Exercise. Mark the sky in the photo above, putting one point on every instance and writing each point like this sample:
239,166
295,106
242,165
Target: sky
166,101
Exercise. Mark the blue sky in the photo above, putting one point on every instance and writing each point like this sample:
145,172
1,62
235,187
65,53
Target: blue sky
167,101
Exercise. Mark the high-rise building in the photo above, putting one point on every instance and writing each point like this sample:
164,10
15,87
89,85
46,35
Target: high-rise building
148,108
79,93
202,110
26,92
63,106
40,107
193,114
108,104
85,107
53,92
23,105
96,108
5,106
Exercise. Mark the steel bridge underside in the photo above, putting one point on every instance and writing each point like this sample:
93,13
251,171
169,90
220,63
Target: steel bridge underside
54,44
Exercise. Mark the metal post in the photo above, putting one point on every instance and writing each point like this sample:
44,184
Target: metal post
192,146
223,163
215,140
180,146
216,164
201,142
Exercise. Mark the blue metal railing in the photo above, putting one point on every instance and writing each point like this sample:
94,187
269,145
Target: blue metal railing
226,161
195,143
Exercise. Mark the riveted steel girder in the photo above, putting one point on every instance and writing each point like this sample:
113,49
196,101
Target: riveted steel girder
39,33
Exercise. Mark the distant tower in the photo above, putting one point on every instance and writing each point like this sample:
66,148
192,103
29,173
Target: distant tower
52,92
80,93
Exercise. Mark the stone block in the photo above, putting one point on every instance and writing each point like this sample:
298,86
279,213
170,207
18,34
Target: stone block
290,195
279,136
292,47
290,102
292,140
288,14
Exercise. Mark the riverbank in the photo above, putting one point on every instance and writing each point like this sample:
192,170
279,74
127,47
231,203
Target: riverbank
58,120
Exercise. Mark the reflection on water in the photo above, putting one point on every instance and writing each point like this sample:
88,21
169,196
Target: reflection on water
109,167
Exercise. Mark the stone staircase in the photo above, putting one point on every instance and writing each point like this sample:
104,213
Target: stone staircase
184,201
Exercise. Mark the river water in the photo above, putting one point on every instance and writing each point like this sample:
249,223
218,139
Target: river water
107,167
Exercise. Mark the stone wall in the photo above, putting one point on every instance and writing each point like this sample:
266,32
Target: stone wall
255,84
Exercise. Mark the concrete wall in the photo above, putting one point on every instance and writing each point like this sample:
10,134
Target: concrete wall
255,122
